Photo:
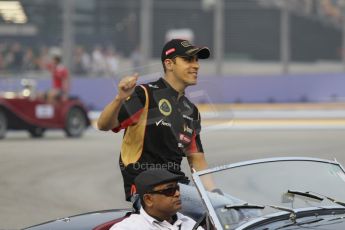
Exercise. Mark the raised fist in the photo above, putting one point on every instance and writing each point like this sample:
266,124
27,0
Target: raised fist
127,85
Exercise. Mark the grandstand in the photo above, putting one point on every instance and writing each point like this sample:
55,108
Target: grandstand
252,28
107,39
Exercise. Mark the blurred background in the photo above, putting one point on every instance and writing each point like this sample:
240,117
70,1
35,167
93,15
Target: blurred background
274,32
298,42
273,86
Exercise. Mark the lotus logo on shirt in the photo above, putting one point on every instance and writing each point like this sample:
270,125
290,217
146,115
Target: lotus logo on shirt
164,107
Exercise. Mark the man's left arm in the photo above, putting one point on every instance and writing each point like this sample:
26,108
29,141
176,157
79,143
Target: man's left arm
198,162
195,153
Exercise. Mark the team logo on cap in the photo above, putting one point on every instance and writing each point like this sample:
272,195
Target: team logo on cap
169,51
189,52
164,107
186,44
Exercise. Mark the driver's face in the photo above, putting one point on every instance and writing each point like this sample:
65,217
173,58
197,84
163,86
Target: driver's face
185,69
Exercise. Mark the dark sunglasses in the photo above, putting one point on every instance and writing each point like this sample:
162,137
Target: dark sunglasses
168,191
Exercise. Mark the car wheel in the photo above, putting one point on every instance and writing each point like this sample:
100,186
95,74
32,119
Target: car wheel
36,132
75,122
3,124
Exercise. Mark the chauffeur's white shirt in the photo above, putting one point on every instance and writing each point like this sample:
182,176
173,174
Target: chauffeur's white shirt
143,221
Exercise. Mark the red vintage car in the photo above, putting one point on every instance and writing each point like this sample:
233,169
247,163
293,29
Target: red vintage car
27,110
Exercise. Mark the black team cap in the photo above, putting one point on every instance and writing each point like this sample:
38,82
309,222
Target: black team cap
183,48
150,178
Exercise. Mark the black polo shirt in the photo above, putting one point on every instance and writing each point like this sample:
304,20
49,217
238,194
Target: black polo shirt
160,129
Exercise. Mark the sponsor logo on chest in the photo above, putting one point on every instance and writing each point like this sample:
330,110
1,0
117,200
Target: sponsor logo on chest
187,129
162,122
180,145
187,117
154,86
185,138
187,105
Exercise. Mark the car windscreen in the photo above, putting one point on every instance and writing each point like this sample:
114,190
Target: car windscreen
268,183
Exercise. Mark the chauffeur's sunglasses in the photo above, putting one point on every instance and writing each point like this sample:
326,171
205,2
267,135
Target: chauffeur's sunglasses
168,191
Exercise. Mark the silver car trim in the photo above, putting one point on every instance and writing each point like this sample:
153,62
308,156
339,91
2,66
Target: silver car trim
264,160
211,212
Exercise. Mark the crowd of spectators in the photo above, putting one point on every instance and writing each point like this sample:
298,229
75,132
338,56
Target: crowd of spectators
330,10
98,61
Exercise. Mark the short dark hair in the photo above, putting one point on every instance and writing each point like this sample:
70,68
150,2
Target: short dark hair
164,68
142,202
57,59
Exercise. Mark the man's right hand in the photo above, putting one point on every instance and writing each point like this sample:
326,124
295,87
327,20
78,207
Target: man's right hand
126,86
109,116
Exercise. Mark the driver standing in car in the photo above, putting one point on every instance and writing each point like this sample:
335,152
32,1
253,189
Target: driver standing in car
160,200
161,125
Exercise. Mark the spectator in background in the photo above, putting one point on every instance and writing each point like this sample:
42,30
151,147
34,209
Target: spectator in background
44,57
60,80
136,60
86,62
8,59
17,61
112,62
77,61
2,55
82,61
16,58
331,9
29,61
98,61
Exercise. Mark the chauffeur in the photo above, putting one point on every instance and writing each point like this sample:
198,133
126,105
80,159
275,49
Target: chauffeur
160,198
